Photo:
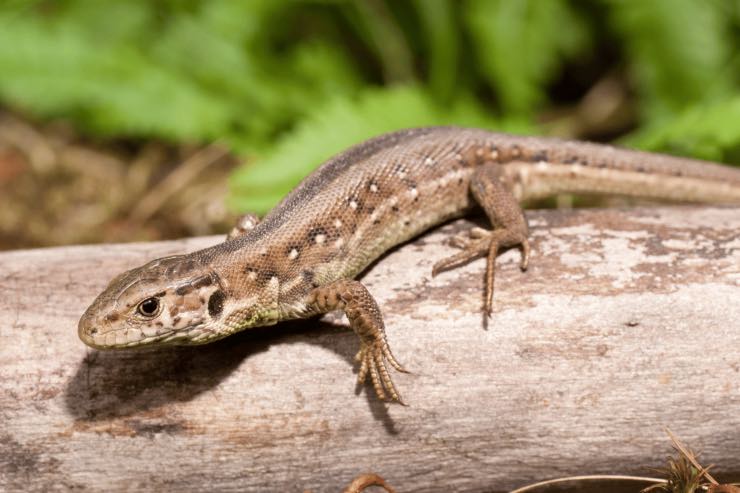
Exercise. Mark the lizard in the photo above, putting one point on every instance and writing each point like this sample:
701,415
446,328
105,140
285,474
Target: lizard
301,260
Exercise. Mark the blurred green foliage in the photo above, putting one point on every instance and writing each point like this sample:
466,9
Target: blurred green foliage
287,83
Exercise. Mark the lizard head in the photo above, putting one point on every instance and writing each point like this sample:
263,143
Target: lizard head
172,300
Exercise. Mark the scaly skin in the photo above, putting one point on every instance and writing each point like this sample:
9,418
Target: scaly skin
300,260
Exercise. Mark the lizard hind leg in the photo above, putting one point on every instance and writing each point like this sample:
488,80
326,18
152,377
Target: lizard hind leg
509,228
366,320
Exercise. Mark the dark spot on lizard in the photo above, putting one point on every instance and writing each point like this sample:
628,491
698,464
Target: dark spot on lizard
399,168
216,303
176,319
395,208
174,310
540,156
308,277
357,202
267,275
640,168
112,317
161,324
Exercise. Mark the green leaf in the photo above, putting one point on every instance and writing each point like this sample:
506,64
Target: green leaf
710,131
679,51
185,71
382,34
110,89
520,45
344,121
442,39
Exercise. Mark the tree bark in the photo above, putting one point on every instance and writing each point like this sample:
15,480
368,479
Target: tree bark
628,321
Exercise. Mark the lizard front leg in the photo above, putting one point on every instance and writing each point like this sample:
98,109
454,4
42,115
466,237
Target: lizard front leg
488,187
365,319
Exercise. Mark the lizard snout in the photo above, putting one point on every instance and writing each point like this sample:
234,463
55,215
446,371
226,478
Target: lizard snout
88,328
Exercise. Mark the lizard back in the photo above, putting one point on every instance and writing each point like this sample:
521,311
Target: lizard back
389,189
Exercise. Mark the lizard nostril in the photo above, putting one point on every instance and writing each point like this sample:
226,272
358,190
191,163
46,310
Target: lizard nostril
93,331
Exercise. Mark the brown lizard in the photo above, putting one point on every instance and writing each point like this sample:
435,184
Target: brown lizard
301,259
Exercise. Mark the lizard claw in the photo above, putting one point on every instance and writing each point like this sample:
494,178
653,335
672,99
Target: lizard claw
485,243
470,249
373,357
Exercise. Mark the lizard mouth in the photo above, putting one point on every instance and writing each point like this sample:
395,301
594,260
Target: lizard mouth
132,337
122,338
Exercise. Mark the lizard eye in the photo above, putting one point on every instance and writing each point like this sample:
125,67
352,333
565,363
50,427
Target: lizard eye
149,307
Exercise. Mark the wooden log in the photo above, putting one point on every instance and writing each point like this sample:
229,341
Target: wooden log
626,322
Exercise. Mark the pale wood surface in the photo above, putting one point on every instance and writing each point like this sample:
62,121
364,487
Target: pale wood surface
626,322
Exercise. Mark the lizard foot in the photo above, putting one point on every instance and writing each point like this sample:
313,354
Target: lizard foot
367,322
479,243
372,357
